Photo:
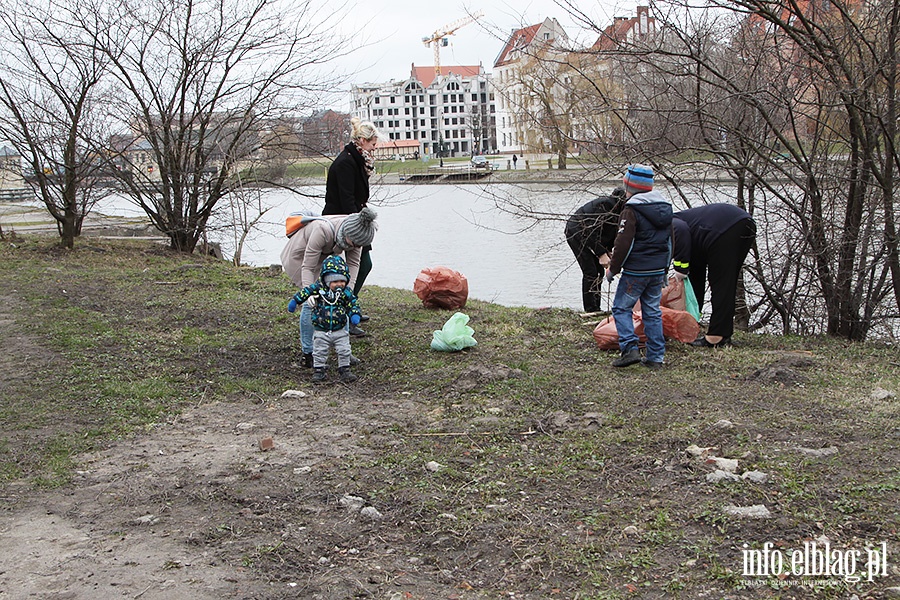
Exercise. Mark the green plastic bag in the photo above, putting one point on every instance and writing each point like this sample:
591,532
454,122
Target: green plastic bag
454,335
690,300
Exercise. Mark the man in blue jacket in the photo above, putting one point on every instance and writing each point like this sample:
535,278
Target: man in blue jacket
642,252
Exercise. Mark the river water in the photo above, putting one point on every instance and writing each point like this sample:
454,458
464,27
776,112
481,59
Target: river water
472,229
506,239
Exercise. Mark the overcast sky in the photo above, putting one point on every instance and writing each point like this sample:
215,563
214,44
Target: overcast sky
392,31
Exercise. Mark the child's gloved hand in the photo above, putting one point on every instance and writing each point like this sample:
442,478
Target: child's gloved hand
354,319
292,305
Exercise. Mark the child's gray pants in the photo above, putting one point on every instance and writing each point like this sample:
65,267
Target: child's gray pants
323,341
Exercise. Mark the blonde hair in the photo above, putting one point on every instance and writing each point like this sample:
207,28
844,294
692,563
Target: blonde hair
363,130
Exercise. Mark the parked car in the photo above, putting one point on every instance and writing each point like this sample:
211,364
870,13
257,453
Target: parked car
480,162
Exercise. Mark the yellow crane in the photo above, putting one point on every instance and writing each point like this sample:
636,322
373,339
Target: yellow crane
439,37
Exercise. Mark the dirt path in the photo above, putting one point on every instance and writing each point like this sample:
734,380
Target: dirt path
176,511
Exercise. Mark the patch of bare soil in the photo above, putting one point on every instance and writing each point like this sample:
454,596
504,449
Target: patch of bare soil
170,514
183,510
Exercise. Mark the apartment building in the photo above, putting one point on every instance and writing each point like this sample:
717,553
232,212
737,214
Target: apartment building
510,80
451,113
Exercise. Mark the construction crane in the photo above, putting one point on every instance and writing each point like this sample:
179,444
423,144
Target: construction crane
439,38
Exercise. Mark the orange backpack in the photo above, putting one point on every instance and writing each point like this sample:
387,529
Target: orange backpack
296,221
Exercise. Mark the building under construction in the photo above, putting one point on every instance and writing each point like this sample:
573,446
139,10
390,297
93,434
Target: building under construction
450,114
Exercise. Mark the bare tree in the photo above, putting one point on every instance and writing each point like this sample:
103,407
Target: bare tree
51,99
789,110
199,81
545,101
819,82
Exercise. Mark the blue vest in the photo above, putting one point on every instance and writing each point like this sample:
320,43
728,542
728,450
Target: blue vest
651,249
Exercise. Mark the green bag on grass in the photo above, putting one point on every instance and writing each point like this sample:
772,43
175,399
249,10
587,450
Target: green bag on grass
454,335
690,300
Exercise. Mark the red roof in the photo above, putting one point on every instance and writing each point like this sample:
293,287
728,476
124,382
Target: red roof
398,144
426,74
618,32
519,39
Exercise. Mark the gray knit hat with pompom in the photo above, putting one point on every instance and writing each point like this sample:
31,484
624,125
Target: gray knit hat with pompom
359,228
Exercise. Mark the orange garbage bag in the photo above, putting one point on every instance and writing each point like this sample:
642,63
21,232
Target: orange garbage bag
680,325
677,325
673,295
442,287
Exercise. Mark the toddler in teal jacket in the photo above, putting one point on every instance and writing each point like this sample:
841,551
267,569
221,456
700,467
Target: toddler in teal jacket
334,305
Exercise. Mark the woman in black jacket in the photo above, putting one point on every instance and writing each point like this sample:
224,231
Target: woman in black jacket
347,188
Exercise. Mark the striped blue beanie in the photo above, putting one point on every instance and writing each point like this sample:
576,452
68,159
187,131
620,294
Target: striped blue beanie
638,178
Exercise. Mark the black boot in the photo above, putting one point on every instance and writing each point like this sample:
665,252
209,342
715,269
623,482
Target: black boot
318,375
307,360
628,358
346,375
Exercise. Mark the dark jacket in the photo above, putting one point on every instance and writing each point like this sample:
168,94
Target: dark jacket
595,224
347,185
697,229
643,242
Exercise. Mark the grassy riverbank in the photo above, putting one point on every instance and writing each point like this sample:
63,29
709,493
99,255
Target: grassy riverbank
134,381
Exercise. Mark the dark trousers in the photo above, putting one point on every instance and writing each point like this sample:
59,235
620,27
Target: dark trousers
365,266
722,264
591,273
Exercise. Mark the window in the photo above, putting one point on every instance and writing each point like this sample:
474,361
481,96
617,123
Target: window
407,110
377,100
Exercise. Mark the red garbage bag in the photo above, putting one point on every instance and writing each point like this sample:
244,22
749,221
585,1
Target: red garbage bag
441,287
680,325
677,325
673,295
605,333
